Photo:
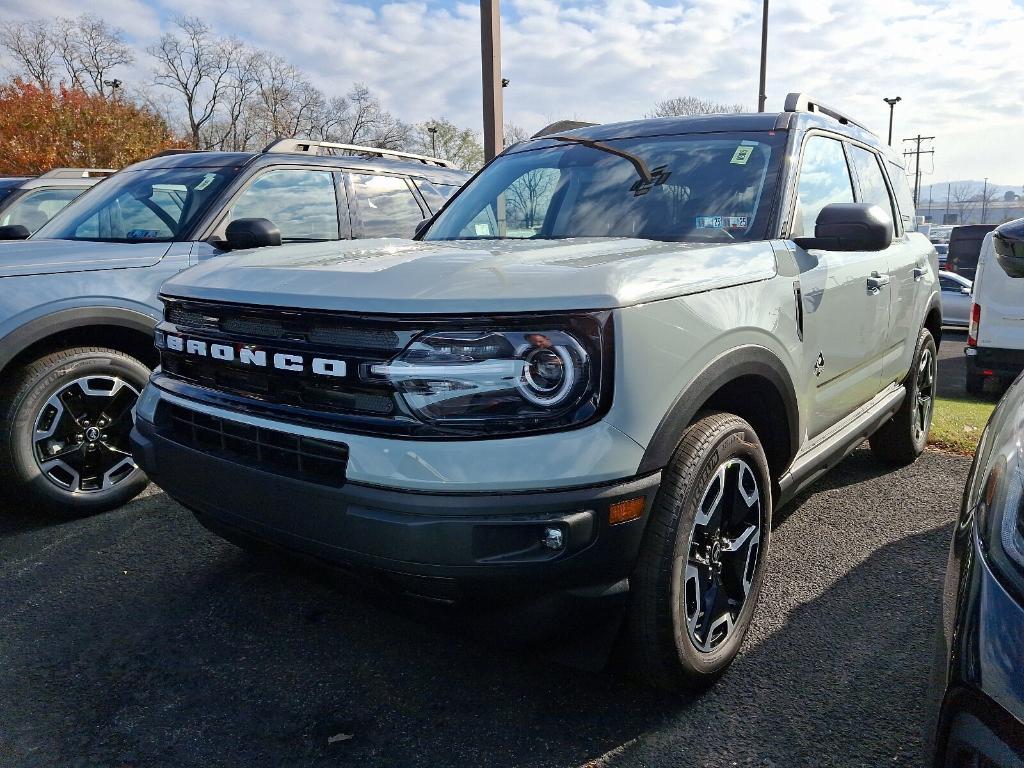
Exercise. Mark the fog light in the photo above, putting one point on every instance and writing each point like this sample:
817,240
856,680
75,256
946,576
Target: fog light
624,511
553,538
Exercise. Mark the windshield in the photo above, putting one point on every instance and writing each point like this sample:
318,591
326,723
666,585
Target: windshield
140,206
700,187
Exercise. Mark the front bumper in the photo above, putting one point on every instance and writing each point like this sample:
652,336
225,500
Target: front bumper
448,546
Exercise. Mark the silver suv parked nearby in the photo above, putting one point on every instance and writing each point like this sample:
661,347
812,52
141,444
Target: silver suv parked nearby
26,203
78,300
583,393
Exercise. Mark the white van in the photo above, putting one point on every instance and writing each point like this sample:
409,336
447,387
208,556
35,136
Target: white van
995,342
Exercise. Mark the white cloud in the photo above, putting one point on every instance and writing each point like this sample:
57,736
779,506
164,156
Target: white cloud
954,64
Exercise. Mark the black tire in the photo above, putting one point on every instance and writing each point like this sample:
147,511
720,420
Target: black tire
903,437
43,396
975,384
664,628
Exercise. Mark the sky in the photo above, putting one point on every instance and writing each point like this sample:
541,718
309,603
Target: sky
956,65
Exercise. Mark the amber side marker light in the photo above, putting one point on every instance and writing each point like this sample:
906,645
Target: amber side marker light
624,511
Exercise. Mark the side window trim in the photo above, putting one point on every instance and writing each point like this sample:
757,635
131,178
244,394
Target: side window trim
795,198
220,222
358,229
894,211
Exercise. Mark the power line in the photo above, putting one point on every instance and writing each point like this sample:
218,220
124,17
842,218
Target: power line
917,152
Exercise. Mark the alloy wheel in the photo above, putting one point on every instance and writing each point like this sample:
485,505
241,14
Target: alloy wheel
80,435
925,393
725,545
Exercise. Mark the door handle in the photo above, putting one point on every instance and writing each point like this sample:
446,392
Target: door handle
919,272
876,282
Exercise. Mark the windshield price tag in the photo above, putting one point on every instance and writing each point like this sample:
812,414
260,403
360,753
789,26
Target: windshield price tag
742,154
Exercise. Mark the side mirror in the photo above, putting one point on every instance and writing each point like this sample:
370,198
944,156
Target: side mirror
422,227
14,232
850,227
1008,242
965,290
251,233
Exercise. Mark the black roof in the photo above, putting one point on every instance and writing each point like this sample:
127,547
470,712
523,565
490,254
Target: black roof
209,159
731,122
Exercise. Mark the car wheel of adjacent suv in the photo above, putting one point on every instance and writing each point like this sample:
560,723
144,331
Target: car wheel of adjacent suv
702,562
902,439
64,428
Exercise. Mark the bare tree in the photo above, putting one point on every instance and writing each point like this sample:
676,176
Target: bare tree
197,66
528,196
514,134
964,197
682,106
33,48
90,49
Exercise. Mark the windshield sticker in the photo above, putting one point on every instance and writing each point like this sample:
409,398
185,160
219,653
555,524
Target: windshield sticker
143,234
207,181
658,177
742,154
722,222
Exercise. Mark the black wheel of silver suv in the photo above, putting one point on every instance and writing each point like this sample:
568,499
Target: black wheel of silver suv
701,567
65,423
902,439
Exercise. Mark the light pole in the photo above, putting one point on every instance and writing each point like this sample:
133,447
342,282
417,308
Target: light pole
984,203
761,95
490,49
432,130
892,104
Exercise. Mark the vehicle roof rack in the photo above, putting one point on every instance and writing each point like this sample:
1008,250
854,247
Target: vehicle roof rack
801,102
170,152
77,173
307,147
561,125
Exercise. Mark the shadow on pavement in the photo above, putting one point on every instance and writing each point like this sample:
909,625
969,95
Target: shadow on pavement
182,650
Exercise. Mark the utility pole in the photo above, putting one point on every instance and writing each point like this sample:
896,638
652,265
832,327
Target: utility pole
432,130
490,50
984,203
892,104
762,97
917,152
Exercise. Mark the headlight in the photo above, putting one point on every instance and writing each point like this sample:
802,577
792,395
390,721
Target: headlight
549,374
1000,510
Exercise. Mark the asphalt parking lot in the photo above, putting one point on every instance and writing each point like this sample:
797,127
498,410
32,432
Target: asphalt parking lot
136,638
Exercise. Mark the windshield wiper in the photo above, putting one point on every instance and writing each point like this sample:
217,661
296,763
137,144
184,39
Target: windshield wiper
641,167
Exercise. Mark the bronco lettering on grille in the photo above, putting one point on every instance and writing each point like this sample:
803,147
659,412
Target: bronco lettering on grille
250,355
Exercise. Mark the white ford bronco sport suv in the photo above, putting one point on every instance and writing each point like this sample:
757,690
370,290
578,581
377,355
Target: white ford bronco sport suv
584,389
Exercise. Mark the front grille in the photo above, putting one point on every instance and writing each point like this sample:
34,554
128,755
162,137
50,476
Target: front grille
360,342
283,453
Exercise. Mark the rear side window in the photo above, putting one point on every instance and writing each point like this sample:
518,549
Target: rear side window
904,199
385,206
824,179
302,203
871,181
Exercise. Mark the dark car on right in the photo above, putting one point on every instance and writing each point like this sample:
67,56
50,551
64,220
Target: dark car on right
964,248
978,683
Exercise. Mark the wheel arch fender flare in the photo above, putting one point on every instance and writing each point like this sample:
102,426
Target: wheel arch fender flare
44,326
740,363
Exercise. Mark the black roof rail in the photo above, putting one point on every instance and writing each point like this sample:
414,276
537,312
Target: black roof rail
801,102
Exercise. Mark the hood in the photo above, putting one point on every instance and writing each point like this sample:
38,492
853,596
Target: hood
404,276
40,257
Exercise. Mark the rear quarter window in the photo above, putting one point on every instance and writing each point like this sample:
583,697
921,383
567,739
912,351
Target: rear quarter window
904,200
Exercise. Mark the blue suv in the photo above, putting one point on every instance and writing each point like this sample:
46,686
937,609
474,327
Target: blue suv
78,300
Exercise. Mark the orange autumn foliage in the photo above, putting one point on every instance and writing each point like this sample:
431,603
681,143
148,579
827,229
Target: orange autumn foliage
42,128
